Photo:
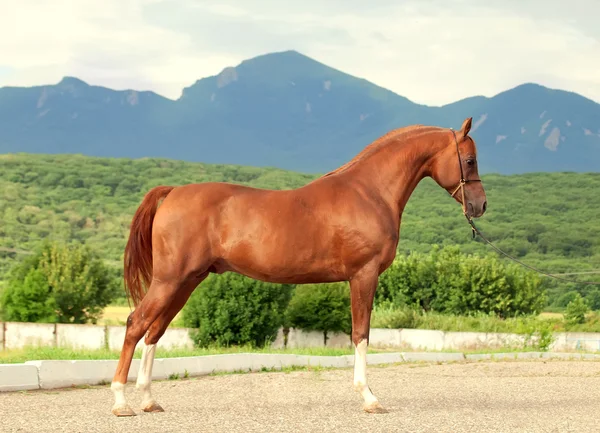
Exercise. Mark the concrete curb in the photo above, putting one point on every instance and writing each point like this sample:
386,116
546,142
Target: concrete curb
60,374
17,377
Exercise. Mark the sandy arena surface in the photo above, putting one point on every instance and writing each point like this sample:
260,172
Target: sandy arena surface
507,396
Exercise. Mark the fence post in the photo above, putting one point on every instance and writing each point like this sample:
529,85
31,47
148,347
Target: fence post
106,345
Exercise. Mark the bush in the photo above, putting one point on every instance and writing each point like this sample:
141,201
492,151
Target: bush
64,283
321,307
576,310
231,309
448,281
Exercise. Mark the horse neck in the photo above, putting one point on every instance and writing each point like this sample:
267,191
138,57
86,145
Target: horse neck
396,168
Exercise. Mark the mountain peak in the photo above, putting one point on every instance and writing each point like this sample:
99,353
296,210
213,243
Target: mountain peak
276,69
72,81
279,55
289,61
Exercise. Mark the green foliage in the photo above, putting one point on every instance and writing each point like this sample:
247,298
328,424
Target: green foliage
593,299
65,283
231,309
591,324
29,299
449,281
387,315
321,307
539,333
576,310
565,299
545,337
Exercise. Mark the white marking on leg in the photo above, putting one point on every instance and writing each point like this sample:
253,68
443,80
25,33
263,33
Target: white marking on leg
360,373
118,390
144,378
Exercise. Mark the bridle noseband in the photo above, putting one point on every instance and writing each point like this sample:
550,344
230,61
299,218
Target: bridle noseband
463,181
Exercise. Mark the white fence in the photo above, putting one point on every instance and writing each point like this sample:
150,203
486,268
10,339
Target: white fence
14,335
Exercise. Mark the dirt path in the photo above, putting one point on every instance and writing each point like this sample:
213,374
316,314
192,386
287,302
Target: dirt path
529,396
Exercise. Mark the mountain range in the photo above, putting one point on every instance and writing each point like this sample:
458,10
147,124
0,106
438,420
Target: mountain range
289,111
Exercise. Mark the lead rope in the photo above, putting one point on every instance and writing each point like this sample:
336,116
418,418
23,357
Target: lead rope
475,230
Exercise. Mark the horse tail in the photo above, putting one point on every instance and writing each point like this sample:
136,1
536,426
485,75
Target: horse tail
137,260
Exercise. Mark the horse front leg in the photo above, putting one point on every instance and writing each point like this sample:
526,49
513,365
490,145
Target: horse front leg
362,292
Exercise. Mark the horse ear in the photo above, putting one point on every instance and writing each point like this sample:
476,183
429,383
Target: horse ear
466,126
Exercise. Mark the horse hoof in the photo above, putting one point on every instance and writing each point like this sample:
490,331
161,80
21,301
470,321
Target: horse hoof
375,407
153,407
123,411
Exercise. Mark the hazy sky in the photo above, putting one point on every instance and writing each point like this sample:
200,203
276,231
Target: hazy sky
431,51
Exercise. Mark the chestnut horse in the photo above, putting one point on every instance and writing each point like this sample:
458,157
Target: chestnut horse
343,226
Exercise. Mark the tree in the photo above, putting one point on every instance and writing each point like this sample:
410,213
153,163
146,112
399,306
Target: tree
64,283
28,300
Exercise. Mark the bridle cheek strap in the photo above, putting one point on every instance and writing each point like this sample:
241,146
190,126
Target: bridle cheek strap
463,182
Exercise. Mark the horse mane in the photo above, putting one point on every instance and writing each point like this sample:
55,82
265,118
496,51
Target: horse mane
375,145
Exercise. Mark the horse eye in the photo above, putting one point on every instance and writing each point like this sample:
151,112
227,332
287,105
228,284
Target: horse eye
470,161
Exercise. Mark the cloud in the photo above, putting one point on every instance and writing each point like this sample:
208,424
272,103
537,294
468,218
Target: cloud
432,52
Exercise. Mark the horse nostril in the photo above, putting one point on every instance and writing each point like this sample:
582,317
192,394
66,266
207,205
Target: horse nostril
484,205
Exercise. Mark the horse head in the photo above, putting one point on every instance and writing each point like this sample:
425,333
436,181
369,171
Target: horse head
455,169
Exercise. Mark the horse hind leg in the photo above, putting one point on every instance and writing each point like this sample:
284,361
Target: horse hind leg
154,304
155,332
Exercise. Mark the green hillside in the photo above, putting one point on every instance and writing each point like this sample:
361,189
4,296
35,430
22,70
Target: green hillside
549,220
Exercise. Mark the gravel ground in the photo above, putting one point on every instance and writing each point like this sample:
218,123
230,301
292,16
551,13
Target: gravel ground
506,396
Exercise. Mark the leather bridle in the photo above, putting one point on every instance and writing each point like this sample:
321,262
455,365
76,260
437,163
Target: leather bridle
463,181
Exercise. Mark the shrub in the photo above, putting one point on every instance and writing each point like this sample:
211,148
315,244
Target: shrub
321,307
450,282
231,309
65,283
576,310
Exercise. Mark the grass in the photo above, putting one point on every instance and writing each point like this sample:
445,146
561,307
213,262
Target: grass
14,356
